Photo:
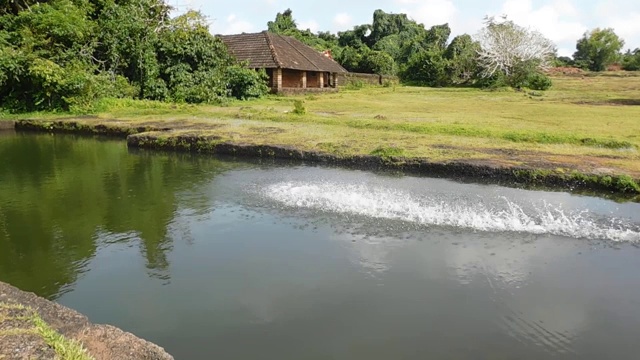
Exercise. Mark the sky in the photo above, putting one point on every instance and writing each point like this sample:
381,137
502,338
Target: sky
562,21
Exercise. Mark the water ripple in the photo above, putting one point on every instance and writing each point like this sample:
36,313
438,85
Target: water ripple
501,216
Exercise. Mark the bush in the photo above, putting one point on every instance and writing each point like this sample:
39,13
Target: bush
298,107
378,62
631,60
426,68
497,81
537,81
354,84
244,83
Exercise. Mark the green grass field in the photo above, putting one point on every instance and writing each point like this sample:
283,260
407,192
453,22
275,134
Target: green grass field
588,123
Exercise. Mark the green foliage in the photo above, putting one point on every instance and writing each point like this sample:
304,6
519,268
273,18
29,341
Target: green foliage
631,60
354,84
299,108
378,62
356,38
351,59
426,68
462,56
385,25
494,82
598,49
538,81
245,83
563,61
283,23
65,55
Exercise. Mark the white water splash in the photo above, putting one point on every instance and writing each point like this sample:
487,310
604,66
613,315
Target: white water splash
390,204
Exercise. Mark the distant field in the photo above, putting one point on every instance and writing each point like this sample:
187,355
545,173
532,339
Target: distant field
588,123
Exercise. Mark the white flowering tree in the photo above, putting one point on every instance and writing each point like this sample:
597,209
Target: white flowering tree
512,50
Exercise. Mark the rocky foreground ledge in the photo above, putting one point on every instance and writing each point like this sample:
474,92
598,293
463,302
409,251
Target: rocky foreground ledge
35,328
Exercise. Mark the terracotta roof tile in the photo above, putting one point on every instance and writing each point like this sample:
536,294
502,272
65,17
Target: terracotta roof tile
269,51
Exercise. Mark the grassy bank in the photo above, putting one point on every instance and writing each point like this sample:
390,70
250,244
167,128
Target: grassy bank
27,327
585,126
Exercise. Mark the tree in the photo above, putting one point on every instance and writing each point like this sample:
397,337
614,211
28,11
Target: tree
385,24
426,68
631,60
66,54
462,56
598,49
512,51
378,62
283,23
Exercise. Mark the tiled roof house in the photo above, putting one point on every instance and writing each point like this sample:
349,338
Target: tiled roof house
291,65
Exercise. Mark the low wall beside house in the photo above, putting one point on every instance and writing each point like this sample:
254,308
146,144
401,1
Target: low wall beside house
371,79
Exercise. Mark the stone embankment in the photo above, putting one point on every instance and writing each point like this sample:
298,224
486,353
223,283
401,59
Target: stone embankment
203,139
35,328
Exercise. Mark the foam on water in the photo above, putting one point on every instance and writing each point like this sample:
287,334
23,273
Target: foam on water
398,205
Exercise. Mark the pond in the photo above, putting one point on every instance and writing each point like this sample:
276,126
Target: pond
220,258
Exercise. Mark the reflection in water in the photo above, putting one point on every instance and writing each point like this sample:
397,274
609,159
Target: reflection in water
373,254
549,321
62,196
227,260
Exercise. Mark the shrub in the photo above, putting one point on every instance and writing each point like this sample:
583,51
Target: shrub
298,107
538,81
497,81
244,83
354,84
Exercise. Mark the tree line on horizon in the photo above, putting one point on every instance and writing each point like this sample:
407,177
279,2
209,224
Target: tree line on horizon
393,44
70,54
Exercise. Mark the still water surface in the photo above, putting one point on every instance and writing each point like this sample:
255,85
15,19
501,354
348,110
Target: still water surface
225,259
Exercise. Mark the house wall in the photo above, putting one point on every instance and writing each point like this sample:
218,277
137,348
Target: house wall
313,79
291,78
293,81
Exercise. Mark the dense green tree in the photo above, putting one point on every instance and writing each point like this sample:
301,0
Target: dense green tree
631,60
426,68
351,58
385,24
462,59
129,36
378,62
46,57
563,61
283,23
355,38
391,45
598,49
65,54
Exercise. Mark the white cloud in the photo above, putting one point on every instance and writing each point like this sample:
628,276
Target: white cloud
431,12
342,20
559,21
232,25
311,25
627,27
